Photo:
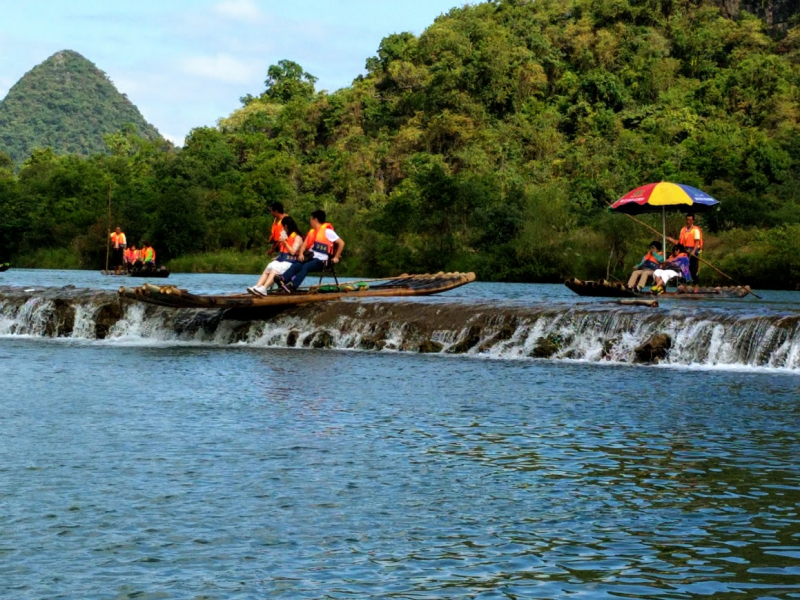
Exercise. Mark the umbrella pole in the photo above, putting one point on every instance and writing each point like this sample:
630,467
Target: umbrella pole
664,229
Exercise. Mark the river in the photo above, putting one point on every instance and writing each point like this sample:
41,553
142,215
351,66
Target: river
147,454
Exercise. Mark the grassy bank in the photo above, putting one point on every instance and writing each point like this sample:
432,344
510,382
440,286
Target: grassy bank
763,259
49,258
224,261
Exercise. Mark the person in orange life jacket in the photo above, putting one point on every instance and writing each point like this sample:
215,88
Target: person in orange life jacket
131,256
291,242
148,255
325,246
277,226
649,263
691,238
118,243
676,266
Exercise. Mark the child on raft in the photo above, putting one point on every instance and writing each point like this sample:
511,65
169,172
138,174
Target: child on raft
677,265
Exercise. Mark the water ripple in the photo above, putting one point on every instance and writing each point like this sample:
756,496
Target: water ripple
132,472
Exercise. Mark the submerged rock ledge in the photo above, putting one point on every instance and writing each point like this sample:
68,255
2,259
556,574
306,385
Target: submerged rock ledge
600,332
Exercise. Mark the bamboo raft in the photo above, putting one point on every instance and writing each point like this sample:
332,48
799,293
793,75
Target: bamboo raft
404,285
608,289
4,267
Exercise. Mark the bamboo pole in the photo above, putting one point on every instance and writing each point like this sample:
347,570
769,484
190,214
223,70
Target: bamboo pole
108,223
705,262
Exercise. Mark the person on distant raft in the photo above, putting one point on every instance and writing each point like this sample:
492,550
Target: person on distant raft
691,238
646,267
130,257
277,226
291,243
118,243
324,245
676,266
148,256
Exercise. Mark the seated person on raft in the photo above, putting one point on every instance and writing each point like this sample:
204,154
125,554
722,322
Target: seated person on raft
649,263
131,256
145,258
290,242
677,266
324,246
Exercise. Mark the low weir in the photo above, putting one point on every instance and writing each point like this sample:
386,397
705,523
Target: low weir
602,332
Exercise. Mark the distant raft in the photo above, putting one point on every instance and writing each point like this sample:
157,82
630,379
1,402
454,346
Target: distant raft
404,285
4,267
608,289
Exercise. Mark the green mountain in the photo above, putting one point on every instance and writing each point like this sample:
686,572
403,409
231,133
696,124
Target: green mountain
68,104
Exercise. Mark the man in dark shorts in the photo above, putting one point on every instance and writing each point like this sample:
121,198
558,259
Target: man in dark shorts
118,243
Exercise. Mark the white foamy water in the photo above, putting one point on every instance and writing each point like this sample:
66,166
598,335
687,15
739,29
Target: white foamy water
494,322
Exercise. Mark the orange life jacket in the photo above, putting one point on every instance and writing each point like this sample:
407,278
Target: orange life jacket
287,246
649,257
320,242
148,254
277,229
687,237
118,240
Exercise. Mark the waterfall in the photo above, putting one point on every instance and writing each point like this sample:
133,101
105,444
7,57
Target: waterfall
599,333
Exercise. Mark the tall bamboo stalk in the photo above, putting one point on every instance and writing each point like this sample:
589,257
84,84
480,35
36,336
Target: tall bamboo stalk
108,223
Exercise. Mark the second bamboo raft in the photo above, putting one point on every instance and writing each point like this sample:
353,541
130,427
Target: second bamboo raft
608,289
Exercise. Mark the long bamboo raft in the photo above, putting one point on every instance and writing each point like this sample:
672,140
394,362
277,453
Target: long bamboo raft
608,289
404,285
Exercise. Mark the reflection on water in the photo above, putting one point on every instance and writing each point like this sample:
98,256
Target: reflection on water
218,473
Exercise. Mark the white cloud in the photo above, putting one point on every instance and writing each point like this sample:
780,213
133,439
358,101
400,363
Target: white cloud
178,140
221,67
239,10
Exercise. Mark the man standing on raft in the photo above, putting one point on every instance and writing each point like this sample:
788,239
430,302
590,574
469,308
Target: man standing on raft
278,215
691,238
118,243
324,245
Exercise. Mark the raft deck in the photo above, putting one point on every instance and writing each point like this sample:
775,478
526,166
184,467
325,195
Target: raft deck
404,285
608,289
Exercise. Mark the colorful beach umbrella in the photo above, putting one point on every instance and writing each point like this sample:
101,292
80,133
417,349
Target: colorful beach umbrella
662,197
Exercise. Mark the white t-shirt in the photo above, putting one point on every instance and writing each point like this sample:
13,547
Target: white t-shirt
332,237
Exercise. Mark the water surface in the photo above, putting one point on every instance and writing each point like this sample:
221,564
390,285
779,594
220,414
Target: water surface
142,467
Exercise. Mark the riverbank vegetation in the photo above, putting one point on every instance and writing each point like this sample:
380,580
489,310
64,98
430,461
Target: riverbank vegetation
492,142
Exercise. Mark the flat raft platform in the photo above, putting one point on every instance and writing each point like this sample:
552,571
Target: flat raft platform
608,289
404,285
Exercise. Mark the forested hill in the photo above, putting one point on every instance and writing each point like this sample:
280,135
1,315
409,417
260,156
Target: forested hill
777,14
68,104
493,142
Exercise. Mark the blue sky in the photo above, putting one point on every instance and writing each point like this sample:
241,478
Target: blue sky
186,63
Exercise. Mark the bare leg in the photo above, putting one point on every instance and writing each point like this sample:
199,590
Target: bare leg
263,277
270,279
